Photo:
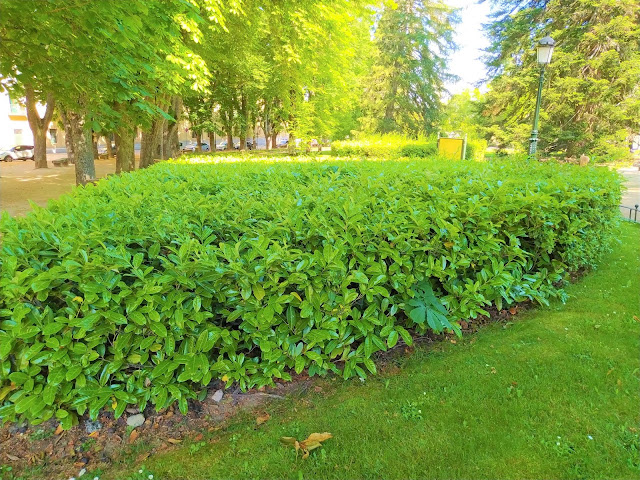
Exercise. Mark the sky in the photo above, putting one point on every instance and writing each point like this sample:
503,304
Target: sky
466,63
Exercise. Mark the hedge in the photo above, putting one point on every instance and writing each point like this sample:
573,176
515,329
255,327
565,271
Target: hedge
148,286
385,146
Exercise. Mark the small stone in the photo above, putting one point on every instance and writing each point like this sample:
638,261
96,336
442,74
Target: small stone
132,410
217,396
82,472
135,420
91,426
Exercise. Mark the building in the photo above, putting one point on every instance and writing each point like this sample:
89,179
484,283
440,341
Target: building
14,127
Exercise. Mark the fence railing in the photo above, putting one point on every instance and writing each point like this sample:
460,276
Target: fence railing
632,213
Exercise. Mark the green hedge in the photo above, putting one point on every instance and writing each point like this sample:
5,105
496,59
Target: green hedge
386,146
148,286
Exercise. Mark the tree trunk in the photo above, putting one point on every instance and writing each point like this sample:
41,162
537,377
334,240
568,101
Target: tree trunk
150,141
39,125
199,142
107,138
68,134
212,140
229,139
243,125
171,143
94,141
274,139
81,139
125,151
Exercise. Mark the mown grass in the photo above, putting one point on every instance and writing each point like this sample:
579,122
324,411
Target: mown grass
553,394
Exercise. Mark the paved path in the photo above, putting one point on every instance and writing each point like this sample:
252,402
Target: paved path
631,197
21,182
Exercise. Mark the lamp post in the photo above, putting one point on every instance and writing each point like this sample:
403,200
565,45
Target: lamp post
545,49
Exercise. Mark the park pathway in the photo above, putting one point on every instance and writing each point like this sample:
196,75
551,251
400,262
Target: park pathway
631,197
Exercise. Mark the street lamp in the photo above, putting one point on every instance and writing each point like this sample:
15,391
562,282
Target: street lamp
545,50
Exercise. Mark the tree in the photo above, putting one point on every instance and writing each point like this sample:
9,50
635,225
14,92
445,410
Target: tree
102,60
591,100
410,67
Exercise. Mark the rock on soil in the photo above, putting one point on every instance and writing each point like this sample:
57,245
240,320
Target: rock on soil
135,420
217,396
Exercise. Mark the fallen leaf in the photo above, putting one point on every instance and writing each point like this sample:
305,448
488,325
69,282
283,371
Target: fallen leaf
133,435
13,457
262,418
142,457
59,430
513,310
94,434
174,441
635,317
198,437
312,442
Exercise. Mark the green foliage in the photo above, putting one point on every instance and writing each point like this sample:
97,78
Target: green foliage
476,149
590,90
409,68
148,286
385,146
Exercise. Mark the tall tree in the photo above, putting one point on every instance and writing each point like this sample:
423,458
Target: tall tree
413,40
591,100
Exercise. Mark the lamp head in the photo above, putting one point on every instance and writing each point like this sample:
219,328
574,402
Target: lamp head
545,50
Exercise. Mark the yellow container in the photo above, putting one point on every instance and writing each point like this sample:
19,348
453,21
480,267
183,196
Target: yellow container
451,148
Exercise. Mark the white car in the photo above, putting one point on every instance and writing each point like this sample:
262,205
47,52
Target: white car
19,152
193,146
222,145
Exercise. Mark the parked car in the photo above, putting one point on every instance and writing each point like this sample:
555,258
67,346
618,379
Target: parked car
248,144
193,146
222,145
19,152
283,143
102,149
313,143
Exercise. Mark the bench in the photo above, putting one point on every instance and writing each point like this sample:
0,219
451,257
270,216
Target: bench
60,162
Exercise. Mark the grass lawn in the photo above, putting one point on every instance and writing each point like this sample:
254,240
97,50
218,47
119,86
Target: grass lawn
554,394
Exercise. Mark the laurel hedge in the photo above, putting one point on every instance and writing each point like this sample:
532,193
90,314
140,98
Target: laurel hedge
385,146
148,286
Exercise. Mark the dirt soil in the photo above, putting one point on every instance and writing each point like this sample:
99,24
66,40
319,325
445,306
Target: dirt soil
91,445
21,182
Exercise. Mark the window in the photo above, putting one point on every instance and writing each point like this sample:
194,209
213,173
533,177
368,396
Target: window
53,134
16,108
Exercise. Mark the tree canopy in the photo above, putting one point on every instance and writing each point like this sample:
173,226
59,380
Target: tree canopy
591,100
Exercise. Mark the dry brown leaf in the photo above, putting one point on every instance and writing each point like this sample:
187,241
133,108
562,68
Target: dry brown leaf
262,418
94,434
312,442
59,430
133,435
198,437
174,441
13,457
513,310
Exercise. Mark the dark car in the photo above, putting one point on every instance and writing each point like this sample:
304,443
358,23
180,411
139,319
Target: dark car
248,144
19,152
